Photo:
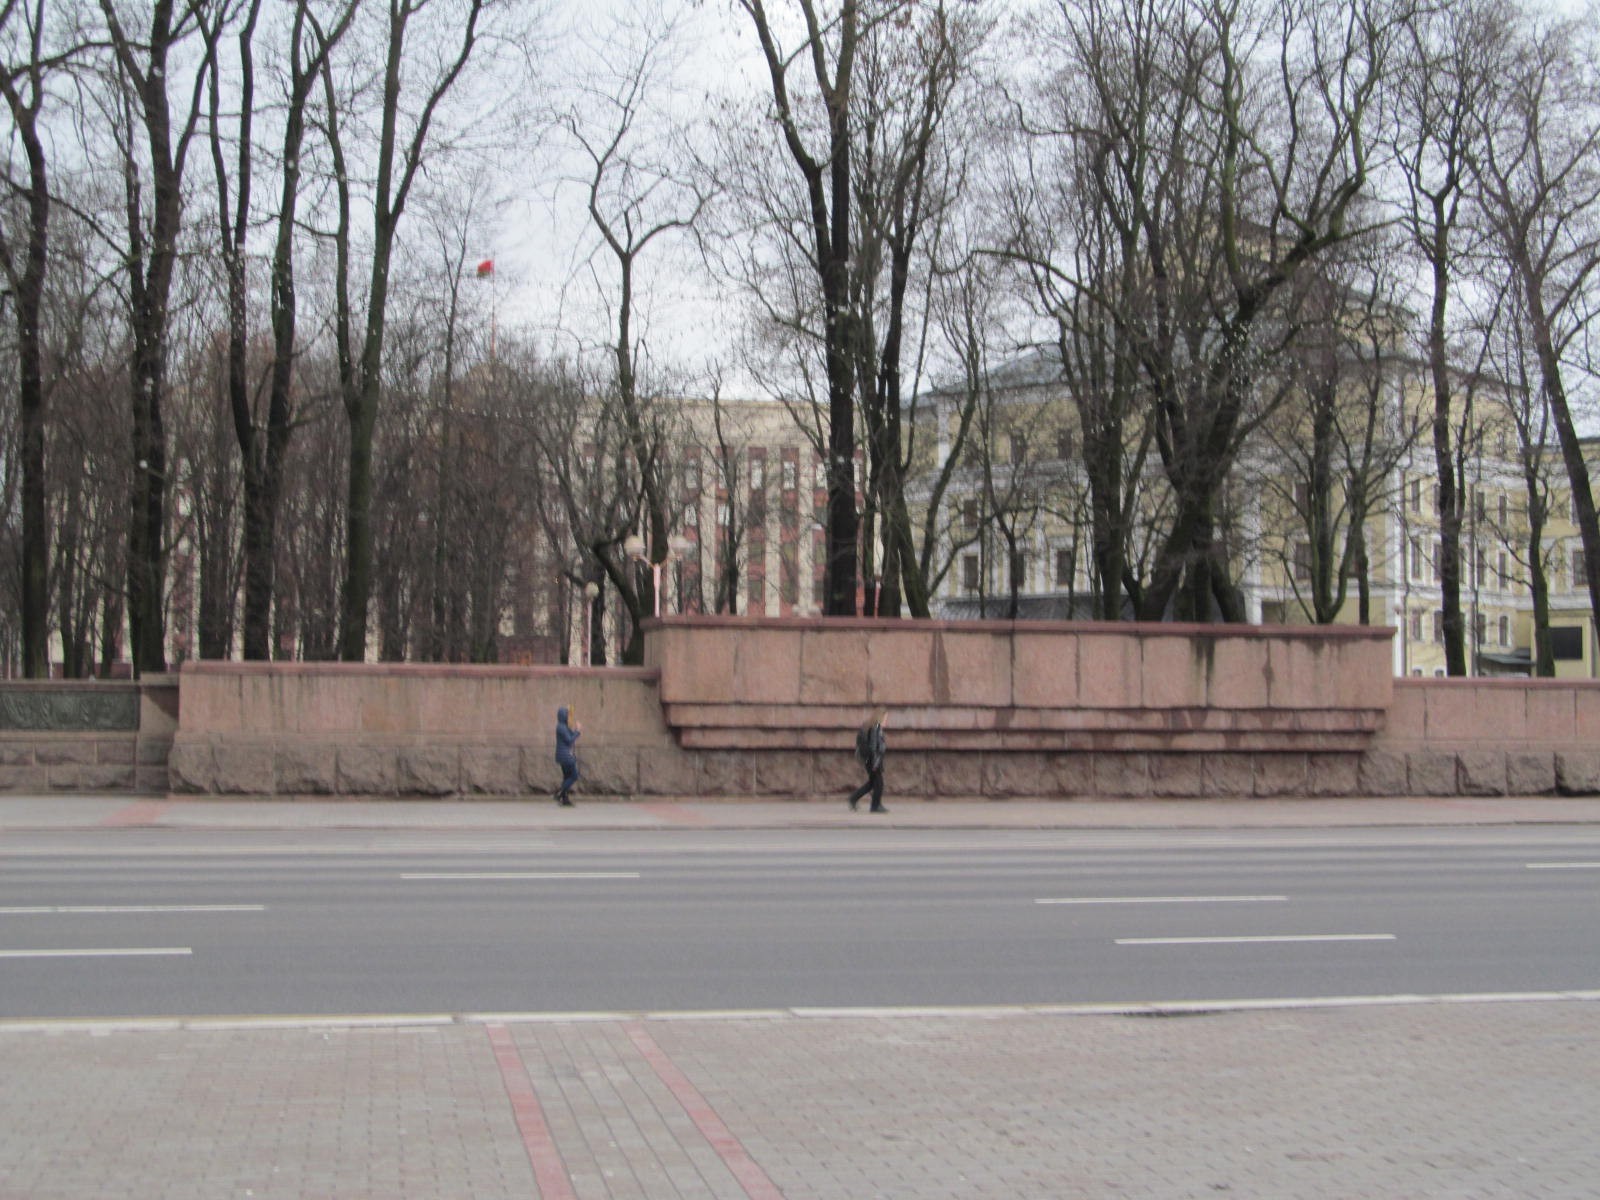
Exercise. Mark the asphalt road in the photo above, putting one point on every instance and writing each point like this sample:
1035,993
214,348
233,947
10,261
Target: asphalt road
140,923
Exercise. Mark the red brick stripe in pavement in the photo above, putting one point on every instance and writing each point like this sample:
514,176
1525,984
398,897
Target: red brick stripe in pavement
143,812
745,1169
549,1172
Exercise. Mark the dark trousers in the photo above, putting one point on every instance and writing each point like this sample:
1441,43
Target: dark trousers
874,784
569,776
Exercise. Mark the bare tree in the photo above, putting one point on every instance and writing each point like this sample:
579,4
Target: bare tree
31,57
1331,450
146,65
1082,270
400,155
262,432
1513,358
909,168
812,84
1540,180
1453,59
635,193
1230,144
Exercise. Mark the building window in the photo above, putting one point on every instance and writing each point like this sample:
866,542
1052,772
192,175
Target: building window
1416,558
1505,579
691,476
789,576
1438,558
969,574
1480,567
1019,570
1416,625
1302,496
1019,449
756,576
1478,505
1500,509
969,514
1064,568
1480,628
791,475
691,517
1505,631
1416,495
1580,576
1438,628
1302,561
758,471
1066,444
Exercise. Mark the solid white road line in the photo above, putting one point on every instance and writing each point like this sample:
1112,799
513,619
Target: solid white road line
521,875
1164,900
76,909
1286,937
138,952
100,1026
1565,866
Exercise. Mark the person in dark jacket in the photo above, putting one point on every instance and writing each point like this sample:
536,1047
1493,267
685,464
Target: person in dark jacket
567,734
870,747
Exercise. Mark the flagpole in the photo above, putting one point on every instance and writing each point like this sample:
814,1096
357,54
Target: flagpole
486,271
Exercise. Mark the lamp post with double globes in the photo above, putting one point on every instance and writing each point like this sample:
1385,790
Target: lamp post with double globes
633,546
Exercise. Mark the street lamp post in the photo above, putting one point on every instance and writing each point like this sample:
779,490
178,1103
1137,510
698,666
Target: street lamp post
590,591
633,546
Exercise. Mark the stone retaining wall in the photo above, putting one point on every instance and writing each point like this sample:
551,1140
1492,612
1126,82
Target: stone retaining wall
71,736
730,708
321,729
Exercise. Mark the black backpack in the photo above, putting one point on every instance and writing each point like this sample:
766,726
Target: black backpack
864,746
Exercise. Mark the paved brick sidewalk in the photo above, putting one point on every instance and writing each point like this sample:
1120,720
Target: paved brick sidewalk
1460,1100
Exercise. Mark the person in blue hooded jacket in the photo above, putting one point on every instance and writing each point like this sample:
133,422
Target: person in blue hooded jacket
568,732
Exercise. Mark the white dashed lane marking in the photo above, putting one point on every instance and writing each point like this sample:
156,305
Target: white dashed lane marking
1280,937
136,952
1164,900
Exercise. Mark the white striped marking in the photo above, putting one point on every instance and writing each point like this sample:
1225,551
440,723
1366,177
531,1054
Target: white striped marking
100,1026
1165,900
75,909
1284,937
521,875
141,952
1565,866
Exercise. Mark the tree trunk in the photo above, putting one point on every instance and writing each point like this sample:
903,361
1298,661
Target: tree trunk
28,295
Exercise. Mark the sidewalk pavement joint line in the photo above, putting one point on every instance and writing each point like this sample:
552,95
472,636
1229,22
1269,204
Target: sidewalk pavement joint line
1163,900
138,952
1270,937
1564,866
755,1181
549,1171
118,909
469,875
